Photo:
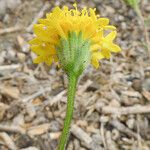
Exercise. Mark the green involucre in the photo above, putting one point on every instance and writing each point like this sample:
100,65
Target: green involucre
74,53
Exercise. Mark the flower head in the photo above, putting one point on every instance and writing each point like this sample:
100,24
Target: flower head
72,29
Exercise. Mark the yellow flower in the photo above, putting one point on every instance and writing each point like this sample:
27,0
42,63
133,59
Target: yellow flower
61,22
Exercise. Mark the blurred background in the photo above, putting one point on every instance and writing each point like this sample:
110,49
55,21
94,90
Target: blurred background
112,106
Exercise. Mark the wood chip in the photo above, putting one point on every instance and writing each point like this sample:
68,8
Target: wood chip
23,44
54,135
12,129
132,94
8,141
3,108
38,130
111,145
12,92
146,95
35,95
30,148
121,127
57,98
80,134
83,87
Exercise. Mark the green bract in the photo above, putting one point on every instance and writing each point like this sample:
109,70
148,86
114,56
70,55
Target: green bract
74,53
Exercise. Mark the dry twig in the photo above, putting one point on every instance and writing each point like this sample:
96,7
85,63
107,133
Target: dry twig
110,143
80,134
9,67
82,88
12,129
57,98
121,127
33,96
8,141
11,29
103,136
126,110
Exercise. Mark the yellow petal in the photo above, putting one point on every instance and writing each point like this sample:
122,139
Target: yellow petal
84,11
65,8
102,22
75,5
92,14
60,30
115,48
98,37
66,26
111,36
95,63
49,61
57,12
109,46
106,53
95,47
89,31
97,55
35,49
44,49
35,41
48,15
38,60
109,27
44,22
42,32
55,58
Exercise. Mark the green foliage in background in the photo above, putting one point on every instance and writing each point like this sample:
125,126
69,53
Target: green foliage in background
134,4
145,21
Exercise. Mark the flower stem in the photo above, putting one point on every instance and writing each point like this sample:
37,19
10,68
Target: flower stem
69,113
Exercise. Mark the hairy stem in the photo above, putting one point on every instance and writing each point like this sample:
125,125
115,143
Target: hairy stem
69,113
